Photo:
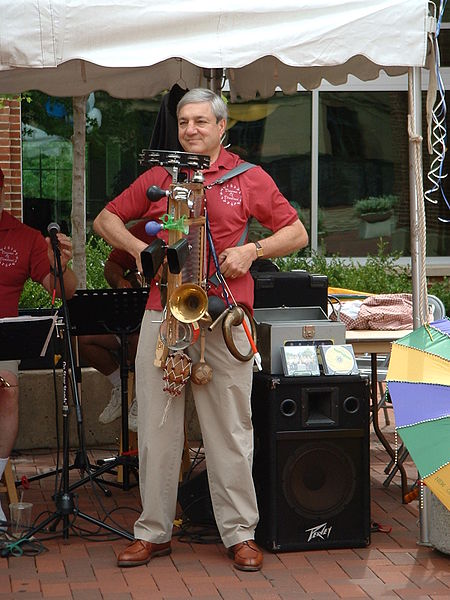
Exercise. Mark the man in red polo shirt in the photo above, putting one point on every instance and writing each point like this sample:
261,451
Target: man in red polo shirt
223,404
24,253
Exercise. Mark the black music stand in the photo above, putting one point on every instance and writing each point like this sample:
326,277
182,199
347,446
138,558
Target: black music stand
120,312
25,336
65,505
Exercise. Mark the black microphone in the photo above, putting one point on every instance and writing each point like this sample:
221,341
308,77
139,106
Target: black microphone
53,229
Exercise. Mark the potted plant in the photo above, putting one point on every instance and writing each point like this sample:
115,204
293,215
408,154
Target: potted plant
375,208
377,216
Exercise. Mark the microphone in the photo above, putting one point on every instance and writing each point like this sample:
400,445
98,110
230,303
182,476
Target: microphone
53,229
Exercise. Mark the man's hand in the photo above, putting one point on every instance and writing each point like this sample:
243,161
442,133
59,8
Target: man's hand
70,279
65,249
235,262
113,230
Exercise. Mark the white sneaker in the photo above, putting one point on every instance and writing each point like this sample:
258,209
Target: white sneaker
133,415
113,409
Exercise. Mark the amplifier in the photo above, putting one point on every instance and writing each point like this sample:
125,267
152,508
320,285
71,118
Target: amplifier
276,326
290,288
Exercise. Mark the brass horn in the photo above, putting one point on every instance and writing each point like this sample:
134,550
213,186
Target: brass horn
188,302
233,318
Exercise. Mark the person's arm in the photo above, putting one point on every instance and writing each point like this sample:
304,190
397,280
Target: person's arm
114,275
235,262
70,279
112,229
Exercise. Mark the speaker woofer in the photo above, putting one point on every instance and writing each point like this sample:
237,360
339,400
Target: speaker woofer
319,480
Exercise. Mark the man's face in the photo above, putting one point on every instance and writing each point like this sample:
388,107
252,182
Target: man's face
198,130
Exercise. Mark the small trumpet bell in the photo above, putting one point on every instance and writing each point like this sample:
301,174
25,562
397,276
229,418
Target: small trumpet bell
188,302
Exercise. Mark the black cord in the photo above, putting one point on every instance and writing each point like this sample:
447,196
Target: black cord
190,533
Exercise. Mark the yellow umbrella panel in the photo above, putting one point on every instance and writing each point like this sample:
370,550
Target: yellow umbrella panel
410,364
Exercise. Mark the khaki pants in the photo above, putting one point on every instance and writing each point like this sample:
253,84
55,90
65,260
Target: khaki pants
223,409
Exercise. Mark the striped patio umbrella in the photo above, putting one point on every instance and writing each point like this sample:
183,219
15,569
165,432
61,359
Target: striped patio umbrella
419,385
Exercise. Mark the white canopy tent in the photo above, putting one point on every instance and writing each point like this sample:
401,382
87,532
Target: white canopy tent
138,49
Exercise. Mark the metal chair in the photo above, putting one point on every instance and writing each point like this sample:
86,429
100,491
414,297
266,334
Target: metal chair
364,366
436,307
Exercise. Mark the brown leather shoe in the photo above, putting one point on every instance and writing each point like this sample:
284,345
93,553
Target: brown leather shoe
140,552
246,556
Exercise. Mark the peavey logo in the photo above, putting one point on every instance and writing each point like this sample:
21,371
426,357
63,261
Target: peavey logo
320,531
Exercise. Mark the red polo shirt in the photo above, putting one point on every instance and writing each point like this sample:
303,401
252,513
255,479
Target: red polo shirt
23,254
230,206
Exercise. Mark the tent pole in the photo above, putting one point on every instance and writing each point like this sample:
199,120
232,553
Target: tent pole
214,78
314,219
79,189
415,194
417,253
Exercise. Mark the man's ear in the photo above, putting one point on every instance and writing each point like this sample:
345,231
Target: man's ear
222,127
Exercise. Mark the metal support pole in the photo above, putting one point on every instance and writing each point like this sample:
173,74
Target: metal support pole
417,252
314,220
415,195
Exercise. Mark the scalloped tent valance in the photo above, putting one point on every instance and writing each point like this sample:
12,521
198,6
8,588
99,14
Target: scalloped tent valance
138,49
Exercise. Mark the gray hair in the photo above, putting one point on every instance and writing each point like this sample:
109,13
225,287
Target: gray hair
197,95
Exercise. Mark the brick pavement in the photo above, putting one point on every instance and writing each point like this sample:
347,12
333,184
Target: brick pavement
83,566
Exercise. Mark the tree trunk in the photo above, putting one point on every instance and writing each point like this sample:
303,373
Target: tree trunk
79,189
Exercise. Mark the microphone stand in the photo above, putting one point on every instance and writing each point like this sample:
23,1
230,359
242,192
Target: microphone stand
64,498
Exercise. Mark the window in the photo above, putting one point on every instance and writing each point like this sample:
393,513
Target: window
363,151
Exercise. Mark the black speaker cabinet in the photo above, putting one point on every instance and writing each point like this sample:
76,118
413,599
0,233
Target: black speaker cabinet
290,288
311,462
195,500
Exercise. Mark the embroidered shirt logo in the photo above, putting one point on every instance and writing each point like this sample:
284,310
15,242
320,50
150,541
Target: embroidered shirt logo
9,256
231,194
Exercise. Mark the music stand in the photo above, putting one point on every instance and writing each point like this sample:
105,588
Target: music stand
64,498
117,311
25,336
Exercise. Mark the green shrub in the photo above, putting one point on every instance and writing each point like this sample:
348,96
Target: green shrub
441,289
35,296
97,252
373,204
379,275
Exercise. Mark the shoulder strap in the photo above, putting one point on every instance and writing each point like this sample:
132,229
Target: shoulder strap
241,168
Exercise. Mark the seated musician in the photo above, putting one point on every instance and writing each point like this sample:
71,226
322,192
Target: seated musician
24,253
222,404
102,351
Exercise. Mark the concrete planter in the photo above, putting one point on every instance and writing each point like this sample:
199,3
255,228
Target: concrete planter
439,518
377,228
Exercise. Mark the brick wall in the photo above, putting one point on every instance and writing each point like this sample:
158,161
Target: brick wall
10,155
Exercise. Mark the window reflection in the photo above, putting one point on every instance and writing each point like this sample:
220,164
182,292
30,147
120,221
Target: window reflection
363,153
363,145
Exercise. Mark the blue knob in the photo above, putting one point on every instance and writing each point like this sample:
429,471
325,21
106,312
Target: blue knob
153,227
